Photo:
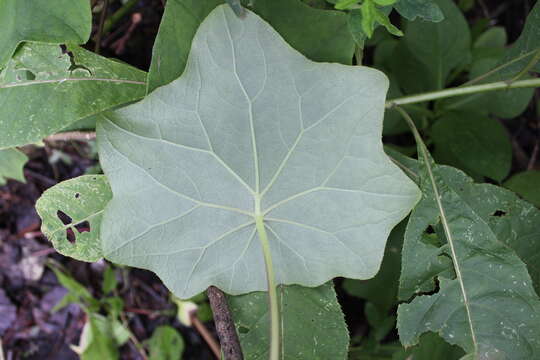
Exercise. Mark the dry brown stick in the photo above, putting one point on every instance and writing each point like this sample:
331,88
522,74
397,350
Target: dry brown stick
72,135
97,48
224,325
208,338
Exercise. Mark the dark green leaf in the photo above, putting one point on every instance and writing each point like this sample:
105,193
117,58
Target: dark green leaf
109,279
474,143
166,344
431,347
425,9
526,185
313,325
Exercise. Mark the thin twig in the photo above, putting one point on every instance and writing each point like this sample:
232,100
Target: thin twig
72,135
100,27
224,324
208,338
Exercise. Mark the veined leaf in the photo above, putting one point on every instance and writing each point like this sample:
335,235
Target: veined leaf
11,165
252,130
485,302
425,9
313,326
321,35
82,201
58,89
51,21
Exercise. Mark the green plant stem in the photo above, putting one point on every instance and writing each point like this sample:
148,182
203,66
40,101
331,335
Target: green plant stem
464,90
118,14
424,153
272,293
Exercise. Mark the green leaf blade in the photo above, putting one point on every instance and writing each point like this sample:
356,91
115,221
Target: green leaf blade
255,148
11,165
83,199
59,89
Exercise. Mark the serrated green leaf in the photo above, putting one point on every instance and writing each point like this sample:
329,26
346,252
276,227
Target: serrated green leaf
313,326
11,165
52,21
382,289
474,143
58,89
526,184
82,199
165,344
486,304
369,18
321,35
428,10
197,161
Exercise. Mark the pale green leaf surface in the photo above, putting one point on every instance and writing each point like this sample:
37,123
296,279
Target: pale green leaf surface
11,165
321,35
83,199
165,344
526,185
252,128
430,347
425,9
312,324
439,47
489,306
51,21
382,289
43,90
474,143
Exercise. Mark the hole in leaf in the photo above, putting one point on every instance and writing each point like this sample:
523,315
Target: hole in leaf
77,195
70,235
499,213
430,230
243,329
83,227
64,218
30,75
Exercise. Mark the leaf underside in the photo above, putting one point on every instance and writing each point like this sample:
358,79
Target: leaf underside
252,128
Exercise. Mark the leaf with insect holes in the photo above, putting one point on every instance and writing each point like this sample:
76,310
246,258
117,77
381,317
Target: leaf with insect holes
485,302
58,89
11,165
71,214
252,128
51,21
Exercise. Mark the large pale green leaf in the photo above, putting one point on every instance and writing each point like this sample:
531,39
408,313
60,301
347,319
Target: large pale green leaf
321,35
485,302
382,289
313,326
252,129
11,165
473,142
51,21
43,90
83,200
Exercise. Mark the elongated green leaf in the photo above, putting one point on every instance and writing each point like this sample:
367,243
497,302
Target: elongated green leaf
82,200
485,302
252,130
313,325
11,165
51,21
58,89
166,344
526,185
425,9
473,142
321,35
